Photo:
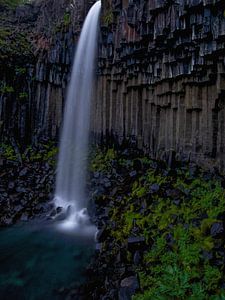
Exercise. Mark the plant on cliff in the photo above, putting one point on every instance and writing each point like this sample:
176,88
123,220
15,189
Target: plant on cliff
7,152
46,152
13,44
107,18
5,89
12,3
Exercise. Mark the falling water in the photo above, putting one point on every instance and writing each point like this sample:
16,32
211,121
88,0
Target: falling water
71,171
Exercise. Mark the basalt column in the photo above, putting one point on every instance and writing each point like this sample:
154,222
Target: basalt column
162,78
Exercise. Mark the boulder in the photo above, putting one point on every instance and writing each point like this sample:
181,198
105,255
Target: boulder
217,230
128,288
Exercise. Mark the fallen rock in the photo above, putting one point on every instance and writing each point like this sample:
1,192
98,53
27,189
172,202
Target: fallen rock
128,287
135,243
23,172
101,235
136,240
217,230
133,173
154,188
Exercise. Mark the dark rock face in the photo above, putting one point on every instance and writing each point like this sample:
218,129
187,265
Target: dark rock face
26,191
160,84
161,69
36,71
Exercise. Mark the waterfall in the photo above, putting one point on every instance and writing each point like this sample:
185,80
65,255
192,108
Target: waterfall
72,160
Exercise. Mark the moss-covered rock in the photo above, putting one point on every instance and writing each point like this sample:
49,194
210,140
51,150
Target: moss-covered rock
171,219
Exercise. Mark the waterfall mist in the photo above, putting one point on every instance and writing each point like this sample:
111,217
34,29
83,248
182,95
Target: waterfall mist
72,161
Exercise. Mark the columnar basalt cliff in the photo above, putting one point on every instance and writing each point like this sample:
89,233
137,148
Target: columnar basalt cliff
162,77
160,74
36,54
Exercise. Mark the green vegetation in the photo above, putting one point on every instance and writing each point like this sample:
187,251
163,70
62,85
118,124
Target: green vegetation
7,152
183,258
66,19
107,19
23,96
6,89
13,43
102,161
44,153
20,70
12,3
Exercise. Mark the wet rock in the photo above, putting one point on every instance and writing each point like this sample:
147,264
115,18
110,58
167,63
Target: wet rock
106,182
11,185
23,172
137,164
114,191
128,287
133,174
62,214
177,202
59,209
173,193
135,243
98,247
24,218
172,159
98,192
18,208
101,235
154,188
137,258
207,255
20,189
217,230
96,174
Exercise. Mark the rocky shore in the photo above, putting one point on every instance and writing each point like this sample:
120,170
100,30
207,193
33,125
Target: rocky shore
26,183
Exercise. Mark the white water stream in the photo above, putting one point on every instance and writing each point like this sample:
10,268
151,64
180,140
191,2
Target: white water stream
72,161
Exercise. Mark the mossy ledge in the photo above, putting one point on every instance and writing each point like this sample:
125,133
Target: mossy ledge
161,229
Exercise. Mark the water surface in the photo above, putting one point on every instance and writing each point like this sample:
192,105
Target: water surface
37,261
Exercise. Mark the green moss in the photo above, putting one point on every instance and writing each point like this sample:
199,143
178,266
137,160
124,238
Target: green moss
47,153
6,89
102,161
20,70
7,152
66,19
13,44
107,19
23,96
177,233
12,3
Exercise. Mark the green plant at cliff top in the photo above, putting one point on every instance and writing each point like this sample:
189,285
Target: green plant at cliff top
13,44
108,18
66,19
20,70
5,89
102,161
7,152
23,96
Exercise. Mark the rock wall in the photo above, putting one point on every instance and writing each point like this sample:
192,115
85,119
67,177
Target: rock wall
33,82
162,77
